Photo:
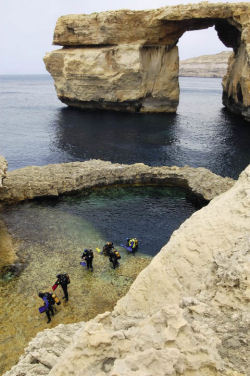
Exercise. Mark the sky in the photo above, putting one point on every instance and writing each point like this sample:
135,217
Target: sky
27,28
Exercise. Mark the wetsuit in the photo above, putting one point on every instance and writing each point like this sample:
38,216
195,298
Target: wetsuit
48,302
63,280
114,257
88,257
107,248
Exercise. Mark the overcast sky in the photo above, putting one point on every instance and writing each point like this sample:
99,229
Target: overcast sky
27,27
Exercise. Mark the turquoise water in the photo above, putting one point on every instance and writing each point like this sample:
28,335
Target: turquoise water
87,220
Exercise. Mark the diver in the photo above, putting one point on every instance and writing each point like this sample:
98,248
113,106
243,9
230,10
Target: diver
114,256
48,303
107,248
63,280
88,257
132,243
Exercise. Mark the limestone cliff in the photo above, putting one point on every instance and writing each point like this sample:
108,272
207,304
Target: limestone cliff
205,65
128,60
186,314
53,180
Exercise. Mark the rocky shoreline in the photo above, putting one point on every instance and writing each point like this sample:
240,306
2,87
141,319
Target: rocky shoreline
187,313
56,179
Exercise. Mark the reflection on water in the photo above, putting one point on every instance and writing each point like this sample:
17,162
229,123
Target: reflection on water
53,234
38,129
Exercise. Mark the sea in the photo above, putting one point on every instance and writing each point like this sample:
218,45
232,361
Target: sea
37,129
50,234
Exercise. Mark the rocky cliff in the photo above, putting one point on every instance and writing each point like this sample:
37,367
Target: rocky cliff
186,314
128,60
205,65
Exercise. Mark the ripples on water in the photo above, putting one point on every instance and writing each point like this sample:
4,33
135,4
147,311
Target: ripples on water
37,129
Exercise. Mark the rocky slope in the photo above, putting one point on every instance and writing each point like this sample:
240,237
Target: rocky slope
56,179
128,60
186,314
205,65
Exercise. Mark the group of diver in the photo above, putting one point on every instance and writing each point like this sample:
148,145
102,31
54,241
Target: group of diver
50,299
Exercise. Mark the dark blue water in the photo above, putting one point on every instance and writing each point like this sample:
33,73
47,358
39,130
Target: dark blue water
37,129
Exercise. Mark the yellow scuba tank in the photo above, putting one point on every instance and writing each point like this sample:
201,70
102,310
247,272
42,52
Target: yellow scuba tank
56,299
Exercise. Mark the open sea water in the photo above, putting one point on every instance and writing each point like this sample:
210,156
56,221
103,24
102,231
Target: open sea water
37,129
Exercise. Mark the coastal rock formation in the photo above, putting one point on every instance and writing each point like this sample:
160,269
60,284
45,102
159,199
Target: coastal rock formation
186,314
205,65
53,180
3,169
128,60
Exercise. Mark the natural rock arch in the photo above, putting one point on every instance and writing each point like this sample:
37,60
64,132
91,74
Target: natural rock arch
128,60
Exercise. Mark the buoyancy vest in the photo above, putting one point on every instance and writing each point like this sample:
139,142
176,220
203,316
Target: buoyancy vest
133,243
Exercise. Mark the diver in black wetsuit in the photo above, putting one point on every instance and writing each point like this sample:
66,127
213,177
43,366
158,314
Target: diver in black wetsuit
63,280
107,248
48,303
88,257
114,256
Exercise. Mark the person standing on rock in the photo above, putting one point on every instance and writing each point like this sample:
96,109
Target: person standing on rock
48,304
88,257
63,280
107,248
114,256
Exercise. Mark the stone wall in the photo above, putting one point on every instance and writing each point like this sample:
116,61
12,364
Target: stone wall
186,314
128,60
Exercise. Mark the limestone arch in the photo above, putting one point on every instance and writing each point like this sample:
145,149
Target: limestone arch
128,60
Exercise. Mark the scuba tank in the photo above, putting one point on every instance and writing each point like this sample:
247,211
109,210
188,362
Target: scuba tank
56,299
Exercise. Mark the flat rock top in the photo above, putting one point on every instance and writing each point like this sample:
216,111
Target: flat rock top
148,26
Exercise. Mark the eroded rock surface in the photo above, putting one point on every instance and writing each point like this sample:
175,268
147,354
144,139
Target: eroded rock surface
3,169
187,313
128,60
55,179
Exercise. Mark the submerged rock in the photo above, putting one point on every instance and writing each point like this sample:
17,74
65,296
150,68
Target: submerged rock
187,313
128,60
